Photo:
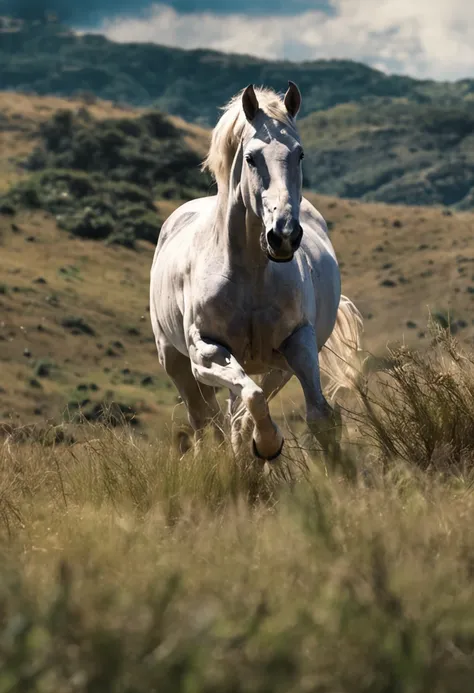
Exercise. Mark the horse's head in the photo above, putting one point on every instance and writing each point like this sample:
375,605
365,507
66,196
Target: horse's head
271,177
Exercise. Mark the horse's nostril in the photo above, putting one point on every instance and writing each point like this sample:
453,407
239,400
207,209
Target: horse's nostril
296,236
274,240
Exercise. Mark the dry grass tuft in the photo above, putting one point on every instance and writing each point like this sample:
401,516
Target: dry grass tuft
421,409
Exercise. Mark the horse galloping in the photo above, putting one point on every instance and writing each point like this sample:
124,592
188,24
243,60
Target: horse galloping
246,283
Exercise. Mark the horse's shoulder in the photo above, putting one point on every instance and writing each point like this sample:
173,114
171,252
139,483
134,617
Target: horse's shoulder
316,241
183,217
311,216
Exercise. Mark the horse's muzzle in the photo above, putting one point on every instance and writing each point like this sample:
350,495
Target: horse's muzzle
283,244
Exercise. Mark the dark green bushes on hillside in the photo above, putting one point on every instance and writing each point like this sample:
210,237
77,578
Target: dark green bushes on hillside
393,151
50,59
100,178
146,151
90,206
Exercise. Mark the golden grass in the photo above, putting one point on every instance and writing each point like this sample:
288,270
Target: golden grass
123,568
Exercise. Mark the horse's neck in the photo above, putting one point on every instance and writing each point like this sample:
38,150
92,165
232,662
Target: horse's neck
238,233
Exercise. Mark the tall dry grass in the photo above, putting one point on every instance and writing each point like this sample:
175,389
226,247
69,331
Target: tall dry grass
422,409
126,569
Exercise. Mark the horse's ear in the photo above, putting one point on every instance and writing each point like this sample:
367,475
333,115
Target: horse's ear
250,103
292,100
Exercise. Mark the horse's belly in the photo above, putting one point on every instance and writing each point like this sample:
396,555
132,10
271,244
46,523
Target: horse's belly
166,308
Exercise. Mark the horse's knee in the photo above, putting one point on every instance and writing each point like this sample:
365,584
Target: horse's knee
204,354
206,368
255,401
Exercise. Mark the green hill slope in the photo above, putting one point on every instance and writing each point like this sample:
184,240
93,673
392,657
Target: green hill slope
393,151
49,59
368,135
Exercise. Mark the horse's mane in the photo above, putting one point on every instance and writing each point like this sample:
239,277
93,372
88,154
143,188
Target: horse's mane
232,126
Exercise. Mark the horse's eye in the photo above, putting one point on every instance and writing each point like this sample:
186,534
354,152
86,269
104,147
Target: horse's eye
250,160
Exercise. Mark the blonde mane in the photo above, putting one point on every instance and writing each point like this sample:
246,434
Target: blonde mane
232,126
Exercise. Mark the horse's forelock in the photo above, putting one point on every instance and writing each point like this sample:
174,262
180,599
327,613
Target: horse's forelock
232,126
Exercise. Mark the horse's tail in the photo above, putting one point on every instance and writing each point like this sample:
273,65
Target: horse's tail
339,357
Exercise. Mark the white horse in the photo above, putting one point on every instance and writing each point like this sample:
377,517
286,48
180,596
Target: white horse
246,283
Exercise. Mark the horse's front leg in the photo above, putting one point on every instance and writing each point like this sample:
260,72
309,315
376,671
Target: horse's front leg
214,365
240,419
301,353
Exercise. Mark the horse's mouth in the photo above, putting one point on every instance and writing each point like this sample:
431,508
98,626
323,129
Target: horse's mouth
271,254
277,258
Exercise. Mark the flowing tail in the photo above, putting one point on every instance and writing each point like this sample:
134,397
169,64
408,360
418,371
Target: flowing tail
339,358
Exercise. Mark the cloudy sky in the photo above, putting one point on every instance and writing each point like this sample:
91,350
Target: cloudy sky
422,38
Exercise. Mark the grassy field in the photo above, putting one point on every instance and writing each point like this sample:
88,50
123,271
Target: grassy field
124,568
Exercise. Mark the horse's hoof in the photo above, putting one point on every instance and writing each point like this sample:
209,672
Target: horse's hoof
266,459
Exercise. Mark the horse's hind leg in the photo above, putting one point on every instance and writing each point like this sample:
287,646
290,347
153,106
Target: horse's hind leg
200,400
214,365
301,353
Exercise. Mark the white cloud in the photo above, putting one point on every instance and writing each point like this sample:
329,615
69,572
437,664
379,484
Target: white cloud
422,38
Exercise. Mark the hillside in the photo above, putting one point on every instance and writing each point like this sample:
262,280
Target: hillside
74,327
393,151
47,58
22,116
100,176
369,135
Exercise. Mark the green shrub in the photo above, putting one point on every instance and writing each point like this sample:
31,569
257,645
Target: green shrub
91,206
87,224
43,368
144,151
99,178
7,208
77,325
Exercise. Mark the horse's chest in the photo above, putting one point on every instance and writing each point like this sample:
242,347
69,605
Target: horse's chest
253,327
262,334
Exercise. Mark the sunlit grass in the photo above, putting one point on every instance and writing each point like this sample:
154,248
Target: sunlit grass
124,567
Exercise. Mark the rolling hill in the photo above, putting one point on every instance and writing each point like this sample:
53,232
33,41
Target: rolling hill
368,135
123,566
47,58
394,151
74,327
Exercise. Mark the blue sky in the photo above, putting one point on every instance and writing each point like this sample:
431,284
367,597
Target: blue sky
422,38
